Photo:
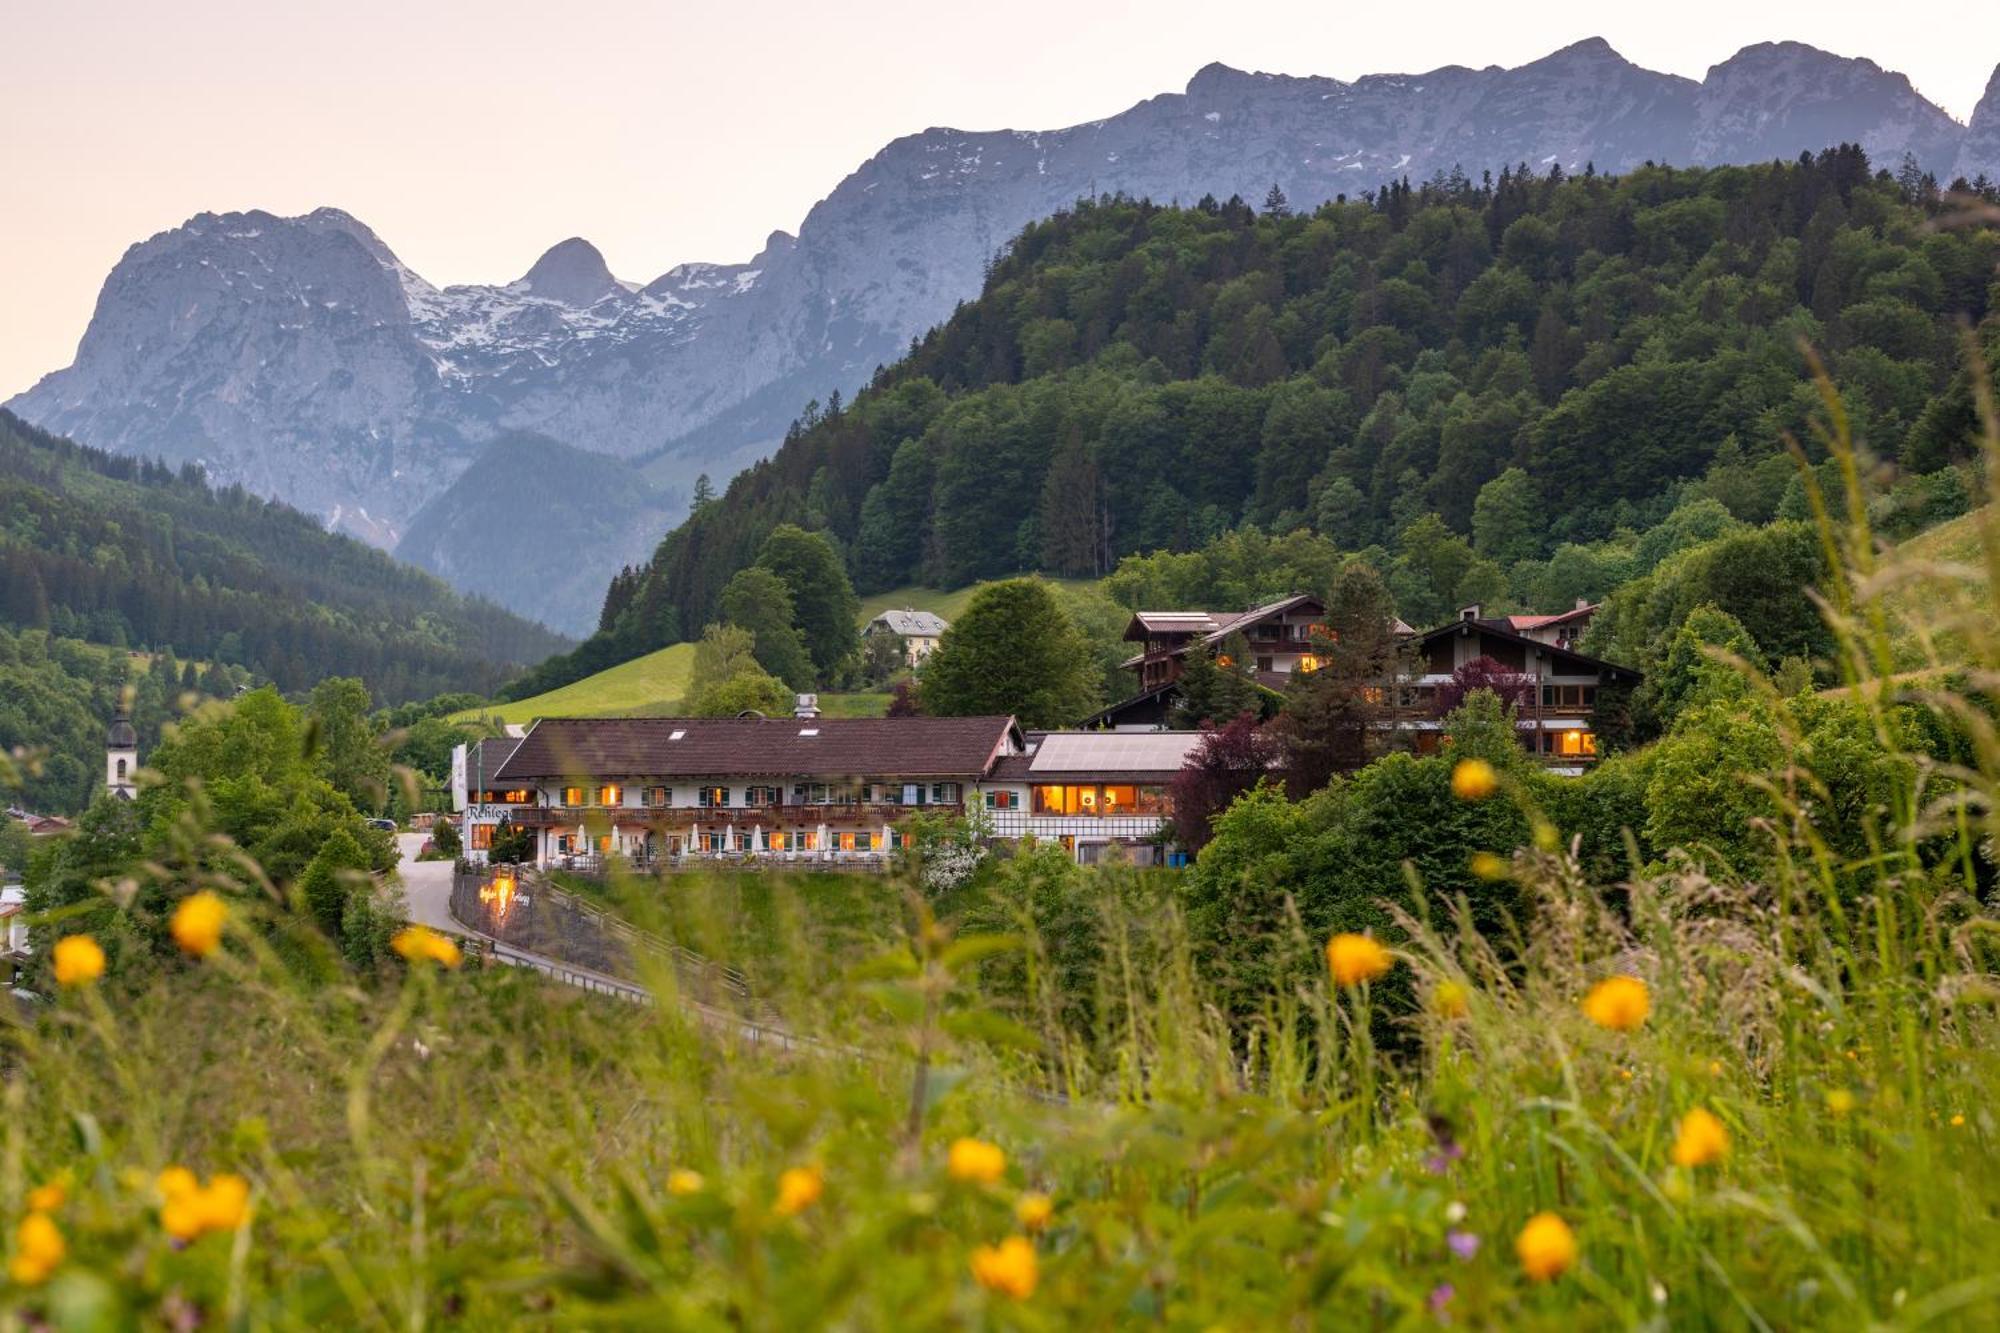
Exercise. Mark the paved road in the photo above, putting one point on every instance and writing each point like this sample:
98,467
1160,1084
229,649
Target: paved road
427,886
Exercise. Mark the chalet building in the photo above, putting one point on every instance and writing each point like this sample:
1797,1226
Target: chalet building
809,789
1563,630
482,802
917,631
1555,718
1090,791
1277,637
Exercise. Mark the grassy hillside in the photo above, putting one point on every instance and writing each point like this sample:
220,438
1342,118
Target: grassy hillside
938,601
130,554
649,685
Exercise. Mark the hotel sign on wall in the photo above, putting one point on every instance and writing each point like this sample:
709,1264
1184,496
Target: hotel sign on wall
489,814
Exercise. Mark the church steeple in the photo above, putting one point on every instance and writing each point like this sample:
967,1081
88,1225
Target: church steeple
121,756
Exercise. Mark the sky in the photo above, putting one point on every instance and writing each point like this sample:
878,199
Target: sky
473,134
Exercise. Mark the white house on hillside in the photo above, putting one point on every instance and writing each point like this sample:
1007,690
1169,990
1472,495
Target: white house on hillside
919,631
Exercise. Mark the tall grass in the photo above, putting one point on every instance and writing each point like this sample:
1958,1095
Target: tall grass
478,1148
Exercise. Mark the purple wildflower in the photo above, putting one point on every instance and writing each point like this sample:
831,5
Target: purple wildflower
1464,1244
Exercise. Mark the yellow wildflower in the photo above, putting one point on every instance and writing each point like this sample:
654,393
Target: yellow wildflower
197,923
1451,999
1958,1121
225,1203
1489,865
1474,780
189,1210
1008,1268
680,1180
1702,1139
38,1249
976,1161
176,1181
79,960
421,943
1619,1003
798,1189
49,1197
1839,1101
1354,959
1546,1247
1033,1211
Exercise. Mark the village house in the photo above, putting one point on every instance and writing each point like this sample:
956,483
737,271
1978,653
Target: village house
1557,695
483,804
1558,685
1277,640
918,632
831,791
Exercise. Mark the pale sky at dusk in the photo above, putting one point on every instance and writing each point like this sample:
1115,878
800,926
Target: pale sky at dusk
471,136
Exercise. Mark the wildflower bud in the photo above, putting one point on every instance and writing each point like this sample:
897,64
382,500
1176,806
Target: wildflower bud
197,923
1618,1003
683,1182
1702,1139
1546,1247
799,1188
38,1250
79,960
1033,1211
1009,1268
1474,780
975,1162
1488,866
1354,959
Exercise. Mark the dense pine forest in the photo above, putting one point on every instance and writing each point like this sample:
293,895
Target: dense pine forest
130,554
124,580
1535,367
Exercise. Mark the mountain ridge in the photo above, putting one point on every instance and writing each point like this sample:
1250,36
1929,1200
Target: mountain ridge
326,371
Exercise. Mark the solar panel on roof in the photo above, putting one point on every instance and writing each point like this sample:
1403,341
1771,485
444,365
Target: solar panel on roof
1114,751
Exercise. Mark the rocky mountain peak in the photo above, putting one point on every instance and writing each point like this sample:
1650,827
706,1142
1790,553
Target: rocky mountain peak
573,272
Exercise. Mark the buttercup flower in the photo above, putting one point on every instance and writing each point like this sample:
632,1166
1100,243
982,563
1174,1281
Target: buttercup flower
1546,1247
1839,1101
975,1161
38,1249
1009,1268
189,1210
1488,865
197,923
79,960
1619,1003
49,1197
225,1203
1703,1139
1354,959
798,1189
683,1181
1033,1211
1451,999
1474,780
421,943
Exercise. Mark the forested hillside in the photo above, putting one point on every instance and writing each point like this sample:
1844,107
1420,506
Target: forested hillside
130,554
1571,354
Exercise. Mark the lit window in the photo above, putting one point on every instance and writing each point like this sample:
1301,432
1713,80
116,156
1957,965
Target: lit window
611,795
1003,800
1308,662
809,840
849,842
715,796
572,796
1577,745
482,837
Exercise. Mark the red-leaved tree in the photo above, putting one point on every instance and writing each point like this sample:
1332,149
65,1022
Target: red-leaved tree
1230,760
1516,691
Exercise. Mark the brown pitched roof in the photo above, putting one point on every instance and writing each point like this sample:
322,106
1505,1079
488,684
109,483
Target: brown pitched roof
671,747
483,760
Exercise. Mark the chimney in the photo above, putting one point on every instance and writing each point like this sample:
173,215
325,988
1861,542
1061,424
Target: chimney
807,707
1469,612
1583,603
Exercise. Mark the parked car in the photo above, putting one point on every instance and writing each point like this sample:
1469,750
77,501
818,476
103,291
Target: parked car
386,825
